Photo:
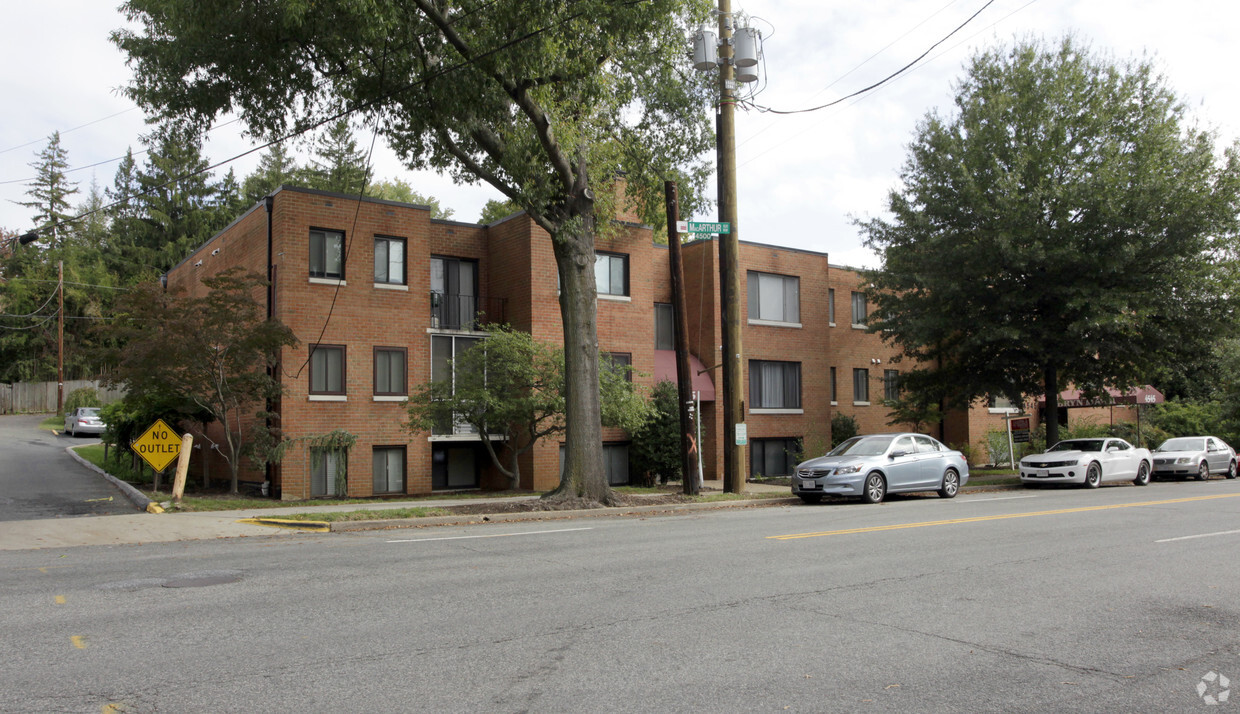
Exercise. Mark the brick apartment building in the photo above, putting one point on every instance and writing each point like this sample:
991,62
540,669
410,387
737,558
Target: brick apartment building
386,296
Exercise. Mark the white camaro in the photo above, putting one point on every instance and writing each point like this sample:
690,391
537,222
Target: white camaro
1088,462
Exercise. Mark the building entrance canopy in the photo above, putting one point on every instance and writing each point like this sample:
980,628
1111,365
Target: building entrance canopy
665,368
1076,398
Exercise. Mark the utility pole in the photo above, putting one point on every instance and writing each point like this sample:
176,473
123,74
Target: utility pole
60,344
729,277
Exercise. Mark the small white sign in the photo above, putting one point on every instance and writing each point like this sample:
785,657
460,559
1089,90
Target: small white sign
742,434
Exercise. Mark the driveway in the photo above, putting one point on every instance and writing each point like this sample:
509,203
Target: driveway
39,480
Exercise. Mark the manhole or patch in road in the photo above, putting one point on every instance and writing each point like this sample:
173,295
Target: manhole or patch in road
203,579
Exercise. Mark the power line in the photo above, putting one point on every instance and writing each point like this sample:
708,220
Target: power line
66,131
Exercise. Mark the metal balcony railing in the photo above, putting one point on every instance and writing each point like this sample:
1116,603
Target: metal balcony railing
465,312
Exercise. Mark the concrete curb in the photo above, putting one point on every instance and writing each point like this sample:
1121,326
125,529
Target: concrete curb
139,499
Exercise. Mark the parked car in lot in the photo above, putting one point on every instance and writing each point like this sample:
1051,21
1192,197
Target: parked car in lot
1088,462
84,420
1197,456
875,465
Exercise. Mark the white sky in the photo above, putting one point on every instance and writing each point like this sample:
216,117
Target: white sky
801,178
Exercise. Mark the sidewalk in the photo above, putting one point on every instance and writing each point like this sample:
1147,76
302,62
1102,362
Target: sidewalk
141,528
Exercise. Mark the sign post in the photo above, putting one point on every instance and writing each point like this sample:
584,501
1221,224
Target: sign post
1018,433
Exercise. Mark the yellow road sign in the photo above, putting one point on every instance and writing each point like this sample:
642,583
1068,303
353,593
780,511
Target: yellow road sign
158,445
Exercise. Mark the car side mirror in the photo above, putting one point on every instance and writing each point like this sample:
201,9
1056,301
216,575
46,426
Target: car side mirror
898,453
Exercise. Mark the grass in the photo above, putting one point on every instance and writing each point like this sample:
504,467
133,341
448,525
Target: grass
53,423
381,515
713,497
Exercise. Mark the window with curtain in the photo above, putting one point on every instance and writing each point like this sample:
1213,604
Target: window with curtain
388,469
327,369
774,385
861,385
774,298
327,254
664,326
390,371
858,309
389,260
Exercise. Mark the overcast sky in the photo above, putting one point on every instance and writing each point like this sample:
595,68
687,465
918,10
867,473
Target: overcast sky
801,178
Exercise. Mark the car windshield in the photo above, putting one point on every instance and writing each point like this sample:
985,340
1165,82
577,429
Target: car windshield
1183,444
863,446
88,412
1078,445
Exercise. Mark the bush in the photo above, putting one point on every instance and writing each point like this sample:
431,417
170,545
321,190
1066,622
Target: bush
82,397
843,427
966,449
997,447
655,451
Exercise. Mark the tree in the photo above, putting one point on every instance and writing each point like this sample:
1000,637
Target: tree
338,165
212,352
275,167
546,102
496,210
1064,226
50,191
511,386
656,443
398,190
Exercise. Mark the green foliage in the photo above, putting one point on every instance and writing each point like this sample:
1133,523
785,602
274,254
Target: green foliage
495,211
1089,229
275,168
212,352
917,408
338,164
997,447
655,450
82,397
399,190
843,428
49,193
966,449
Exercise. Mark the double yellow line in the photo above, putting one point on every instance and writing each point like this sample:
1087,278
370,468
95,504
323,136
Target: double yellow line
979,519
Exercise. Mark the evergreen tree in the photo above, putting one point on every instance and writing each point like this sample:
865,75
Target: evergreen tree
50,192
275,167
338,165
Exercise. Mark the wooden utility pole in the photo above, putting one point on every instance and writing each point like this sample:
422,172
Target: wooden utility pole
729,258
60,344
684,376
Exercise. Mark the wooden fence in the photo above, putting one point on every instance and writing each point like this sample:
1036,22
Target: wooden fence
40,397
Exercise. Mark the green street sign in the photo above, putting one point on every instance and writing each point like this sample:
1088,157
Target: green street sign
697,227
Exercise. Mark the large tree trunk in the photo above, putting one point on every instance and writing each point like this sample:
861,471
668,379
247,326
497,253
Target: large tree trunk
584,476
1051,415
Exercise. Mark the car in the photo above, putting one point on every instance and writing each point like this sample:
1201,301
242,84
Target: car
1088,462
874,465
1197,456
84,420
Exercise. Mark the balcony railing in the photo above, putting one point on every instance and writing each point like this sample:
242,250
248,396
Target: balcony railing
464,312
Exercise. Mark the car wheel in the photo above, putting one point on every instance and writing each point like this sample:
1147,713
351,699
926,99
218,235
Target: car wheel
811,497
1203,471
1093,476
875,488
69,430
1231,470
1143,475
951,484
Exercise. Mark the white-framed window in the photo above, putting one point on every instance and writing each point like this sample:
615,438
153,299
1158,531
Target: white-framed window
327,369
861,385
611,273
326,254
389,260
858,309
774,385
1001,404
774,298
445,349
388,469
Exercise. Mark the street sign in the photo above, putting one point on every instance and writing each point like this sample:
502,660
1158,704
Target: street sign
742,434
158,446
695,227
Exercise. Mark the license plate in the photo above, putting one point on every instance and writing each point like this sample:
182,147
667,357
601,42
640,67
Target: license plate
809,486
1042,473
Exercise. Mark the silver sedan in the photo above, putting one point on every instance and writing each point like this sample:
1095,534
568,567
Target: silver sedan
1196,456
84,420
874,465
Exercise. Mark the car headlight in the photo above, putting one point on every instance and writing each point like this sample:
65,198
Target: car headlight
1183,460
848,469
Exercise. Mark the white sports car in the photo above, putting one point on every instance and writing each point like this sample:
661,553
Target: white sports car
1088,462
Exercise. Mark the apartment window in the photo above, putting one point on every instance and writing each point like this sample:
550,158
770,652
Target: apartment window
1002,403
454,293
389,260
445,349
611,273
831,305
327,254
833,387
664,326
388,469
454,466
774,385
861,385
621,362
390,372
615,463
327,472
774,457
327,369
891,384
858,308
774,298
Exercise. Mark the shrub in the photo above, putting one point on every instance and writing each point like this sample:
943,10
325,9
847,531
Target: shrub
997,446
82,397
655,451
843,427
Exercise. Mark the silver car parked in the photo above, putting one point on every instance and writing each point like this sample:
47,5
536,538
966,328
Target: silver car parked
84,420
1196,456
875,465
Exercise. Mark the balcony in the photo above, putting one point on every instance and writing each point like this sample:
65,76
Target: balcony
465,312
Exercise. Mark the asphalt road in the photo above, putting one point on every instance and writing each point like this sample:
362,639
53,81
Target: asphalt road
1119,599
39,480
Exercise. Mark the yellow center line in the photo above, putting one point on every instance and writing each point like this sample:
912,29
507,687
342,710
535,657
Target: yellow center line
60,599
978,519
78,642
